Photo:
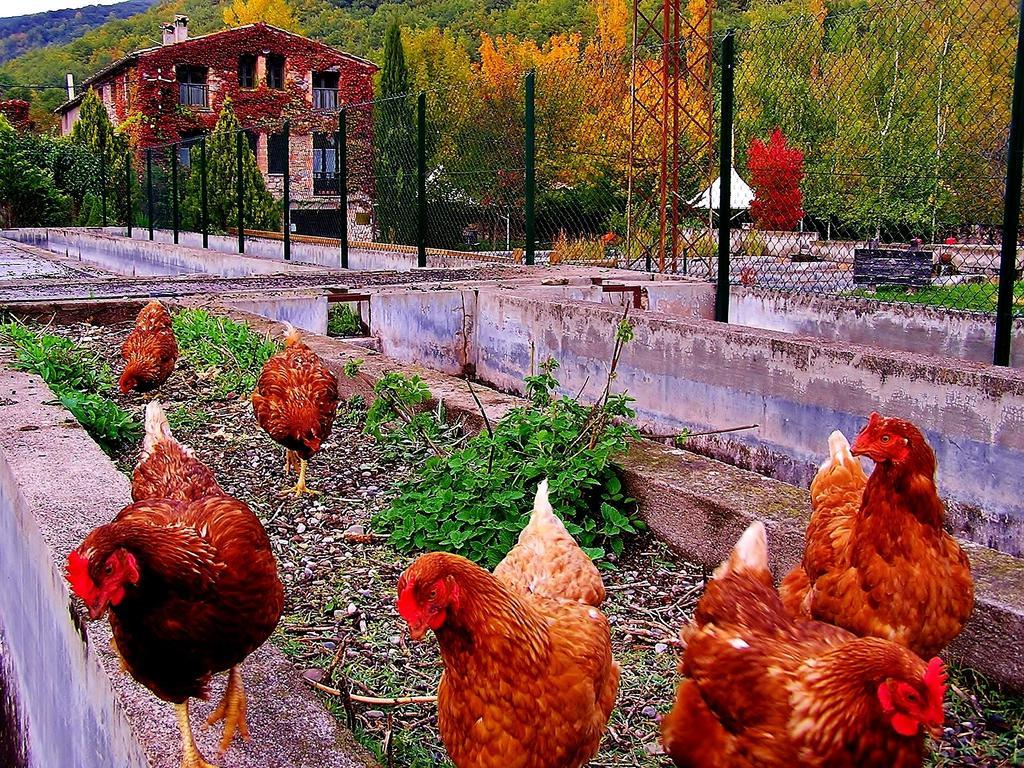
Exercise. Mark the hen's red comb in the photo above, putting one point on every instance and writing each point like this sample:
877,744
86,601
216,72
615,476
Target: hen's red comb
935,678
78,576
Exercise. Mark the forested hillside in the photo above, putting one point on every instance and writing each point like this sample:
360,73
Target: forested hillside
20,34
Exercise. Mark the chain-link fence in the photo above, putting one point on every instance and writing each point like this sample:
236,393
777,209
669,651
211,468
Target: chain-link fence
870,152
868,157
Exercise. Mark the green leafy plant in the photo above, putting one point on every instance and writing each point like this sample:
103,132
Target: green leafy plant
342,320
351,367
79,379
475,497
231,352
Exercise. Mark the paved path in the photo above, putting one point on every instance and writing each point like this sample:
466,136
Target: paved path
19,261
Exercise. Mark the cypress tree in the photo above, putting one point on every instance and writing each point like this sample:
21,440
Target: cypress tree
395,145
262,211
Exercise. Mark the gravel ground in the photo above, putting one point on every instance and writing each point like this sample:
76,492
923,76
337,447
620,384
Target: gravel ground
341,626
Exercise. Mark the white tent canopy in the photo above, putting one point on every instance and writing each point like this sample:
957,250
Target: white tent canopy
740,196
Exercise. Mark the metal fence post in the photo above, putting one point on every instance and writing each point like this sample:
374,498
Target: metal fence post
149,191
725,179
287,202
240,185
204,214
421,180
528,164
128,191
174,191
103,177
341,161
1011,208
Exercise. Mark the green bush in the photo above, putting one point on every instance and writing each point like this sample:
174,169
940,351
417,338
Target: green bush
231,351
342,320
475,498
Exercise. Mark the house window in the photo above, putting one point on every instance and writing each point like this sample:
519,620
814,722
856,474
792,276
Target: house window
247,71
185,150
277,153
325,165
192,89
325,90
275,72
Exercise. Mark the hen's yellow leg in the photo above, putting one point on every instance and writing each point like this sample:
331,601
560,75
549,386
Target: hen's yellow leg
289,461
300,487
190,755
232,710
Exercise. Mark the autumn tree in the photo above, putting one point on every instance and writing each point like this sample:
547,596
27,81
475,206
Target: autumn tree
395,145
776,171
274,12
261,210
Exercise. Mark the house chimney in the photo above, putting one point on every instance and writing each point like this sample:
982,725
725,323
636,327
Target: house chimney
70,79
167,30
180,29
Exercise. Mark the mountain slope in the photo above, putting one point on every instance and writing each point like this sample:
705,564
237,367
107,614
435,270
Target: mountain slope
20,34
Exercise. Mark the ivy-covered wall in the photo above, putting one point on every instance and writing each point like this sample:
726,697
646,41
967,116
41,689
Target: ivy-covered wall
144,93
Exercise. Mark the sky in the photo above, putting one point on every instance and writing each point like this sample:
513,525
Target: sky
21,7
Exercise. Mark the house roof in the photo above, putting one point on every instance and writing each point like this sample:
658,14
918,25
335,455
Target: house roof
136,55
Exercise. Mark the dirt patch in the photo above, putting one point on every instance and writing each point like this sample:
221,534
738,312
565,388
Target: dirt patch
340,592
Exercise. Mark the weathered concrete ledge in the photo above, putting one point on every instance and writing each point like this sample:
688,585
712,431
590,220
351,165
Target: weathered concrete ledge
140,257
68,677
700,506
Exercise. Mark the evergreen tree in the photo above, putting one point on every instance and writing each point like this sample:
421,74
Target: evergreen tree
261,210
395,146
95,132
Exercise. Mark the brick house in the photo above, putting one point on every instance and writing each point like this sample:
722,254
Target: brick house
174,92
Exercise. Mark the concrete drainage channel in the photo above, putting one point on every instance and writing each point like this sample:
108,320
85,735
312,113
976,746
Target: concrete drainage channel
686,373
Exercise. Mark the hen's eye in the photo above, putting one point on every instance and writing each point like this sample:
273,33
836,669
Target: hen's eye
885,438
433,595
109,569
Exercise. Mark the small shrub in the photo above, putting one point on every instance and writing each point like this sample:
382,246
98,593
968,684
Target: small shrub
231,351
474,496
343,321
105,421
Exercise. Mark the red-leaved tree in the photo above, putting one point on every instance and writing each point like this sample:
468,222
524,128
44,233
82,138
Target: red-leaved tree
775,174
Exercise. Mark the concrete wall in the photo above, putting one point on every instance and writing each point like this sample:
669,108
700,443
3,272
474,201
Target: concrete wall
430,328
305,311
919,329
691,374
301,253
64,696
139,257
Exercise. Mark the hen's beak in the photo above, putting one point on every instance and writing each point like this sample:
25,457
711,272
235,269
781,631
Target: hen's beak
98,609
936,731
417,630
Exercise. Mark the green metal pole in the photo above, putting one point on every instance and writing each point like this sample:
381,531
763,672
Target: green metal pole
103,176
421,180
128,192
1011,208
725,179
204,213
240,184
341,163
174,191
528,164
287,192
149,190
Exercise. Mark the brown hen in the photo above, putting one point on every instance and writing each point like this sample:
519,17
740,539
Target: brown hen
150,351
167,469
764,690
295,401
192,589
878,560
529,677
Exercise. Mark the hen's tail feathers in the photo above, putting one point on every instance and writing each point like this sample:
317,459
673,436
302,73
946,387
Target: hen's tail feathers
543,512
749,554
158,428
291,335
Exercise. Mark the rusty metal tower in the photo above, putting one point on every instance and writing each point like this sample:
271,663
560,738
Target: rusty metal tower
671,130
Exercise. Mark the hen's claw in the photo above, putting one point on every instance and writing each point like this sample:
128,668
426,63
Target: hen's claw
232,710
300,487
